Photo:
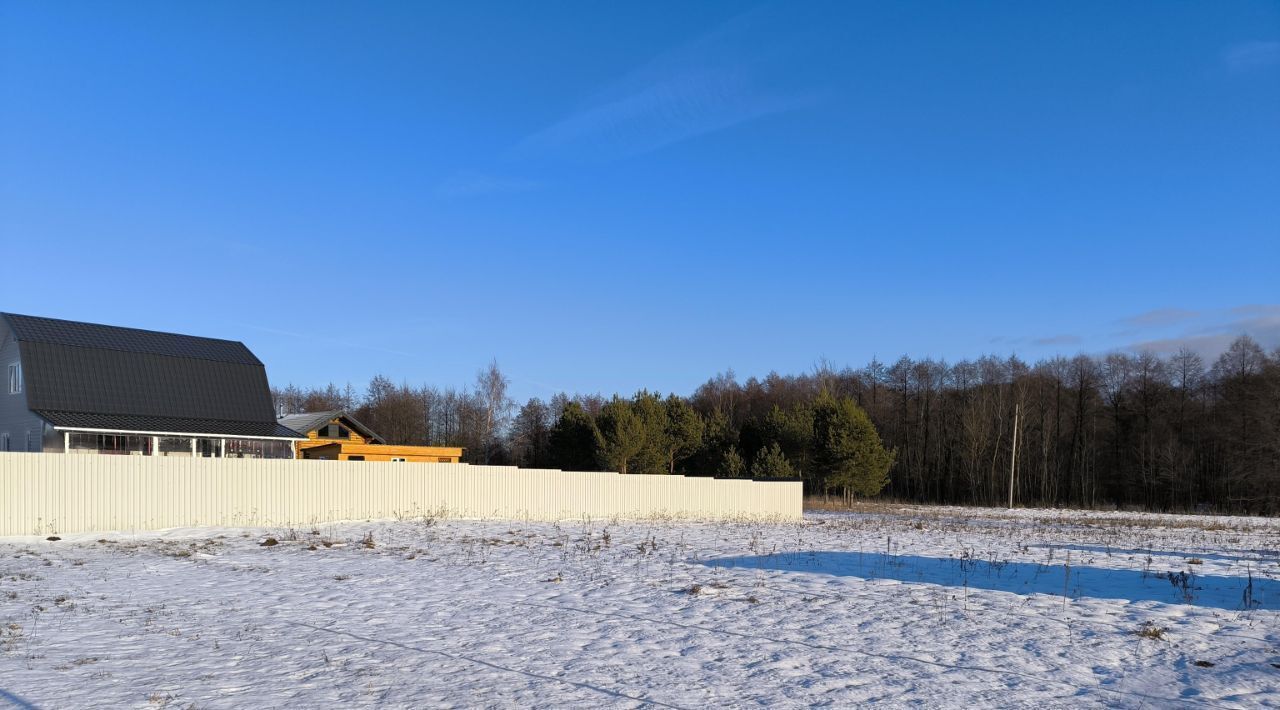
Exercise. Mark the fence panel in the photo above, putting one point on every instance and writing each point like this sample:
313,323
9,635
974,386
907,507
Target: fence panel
44,494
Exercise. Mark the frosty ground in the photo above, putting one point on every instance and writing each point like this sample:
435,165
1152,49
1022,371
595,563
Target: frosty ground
931,606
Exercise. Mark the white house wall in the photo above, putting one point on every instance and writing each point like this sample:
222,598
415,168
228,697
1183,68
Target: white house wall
15,418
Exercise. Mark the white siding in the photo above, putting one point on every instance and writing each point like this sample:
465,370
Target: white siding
66,493
15,418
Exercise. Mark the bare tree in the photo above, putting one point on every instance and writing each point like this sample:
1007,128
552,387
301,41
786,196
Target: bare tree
495,405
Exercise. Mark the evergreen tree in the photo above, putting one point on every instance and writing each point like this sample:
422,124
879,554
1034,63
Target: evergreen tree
651,458
731,464
684,431
572,441
848,453
717,438
620,435
792,430
772,463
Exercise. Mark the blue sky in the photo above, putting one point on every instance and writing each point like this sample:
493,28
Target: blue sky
606,197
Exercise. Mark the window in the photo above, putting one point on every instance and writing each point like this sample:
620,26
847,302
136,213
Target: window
15,378
112,444
175,446
444,459
355,458
4,441
208,448
397,459
333,431
258,449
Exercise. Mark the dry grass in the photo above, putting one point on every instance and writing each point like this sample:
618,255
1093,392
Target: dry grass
1041,516
1149,630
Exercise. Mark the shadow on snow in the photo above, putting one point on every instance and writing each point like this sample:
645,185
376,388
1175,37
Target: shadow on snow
1244,556
1169,587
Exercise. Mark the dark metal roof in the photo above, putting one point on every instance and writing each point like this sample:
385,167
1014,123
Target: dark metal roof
34,329
307,422
142,376
173,425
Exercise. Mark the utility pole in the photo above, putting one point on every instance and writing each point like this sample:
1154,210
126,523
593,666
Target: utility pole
1013,461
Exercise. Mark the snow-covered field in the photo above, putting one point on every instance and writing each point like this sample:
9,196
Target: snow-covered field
931,606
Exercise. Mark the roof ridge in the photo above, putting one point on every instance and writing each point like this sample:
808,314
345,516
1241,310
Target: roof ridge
7,315
115,338
224,361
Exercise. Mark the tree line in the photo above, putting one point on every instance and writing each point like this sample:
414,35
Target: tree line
1128,430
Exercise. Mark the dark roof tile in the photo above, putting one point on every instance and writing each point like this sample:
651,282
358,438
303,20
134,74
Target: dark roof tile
34,329
308,421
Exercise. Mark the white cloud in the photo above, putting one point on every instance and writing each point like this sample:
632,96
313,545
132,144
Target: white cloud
472,184
1159,317
675,109
1065,339
1217,330
1252,55
705,86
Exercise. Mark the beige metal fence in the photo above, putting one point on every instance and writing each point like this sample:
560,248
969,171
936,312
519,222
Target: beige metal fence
44,494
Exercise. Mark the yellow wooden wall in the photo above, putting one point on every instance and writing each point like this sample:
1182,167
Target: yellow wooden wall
357,445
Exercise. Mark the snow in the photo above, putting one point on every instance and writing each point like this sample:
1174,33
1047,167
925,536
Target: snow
942,607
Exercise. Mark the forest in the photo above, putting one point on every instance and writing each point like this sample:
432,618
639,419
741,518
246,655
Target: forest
1139,431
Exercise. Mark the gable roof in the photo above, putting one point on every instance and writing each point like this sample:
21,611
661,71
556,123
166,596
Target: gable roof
307,422
106,377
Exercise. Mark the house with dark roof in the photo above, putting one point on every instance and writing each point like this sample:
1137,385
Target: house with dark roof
99,389
338,436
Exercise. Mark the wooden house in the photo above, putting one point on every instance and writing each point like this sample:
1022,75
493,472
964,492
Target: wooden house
337,436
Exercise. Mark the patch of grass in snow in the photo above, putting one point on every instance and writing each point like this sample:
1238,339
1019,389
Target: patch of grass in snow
76,663
1149,630
698,589
11,635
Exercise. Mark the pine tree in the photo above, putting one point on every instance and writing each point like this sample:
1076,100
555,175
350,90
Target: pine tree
770,462
651,458
792,430
573,440
684,431
731,464
620,435
849,455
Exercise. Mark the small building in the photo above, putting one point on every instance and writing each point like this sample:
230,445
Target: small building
337,436
83,388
